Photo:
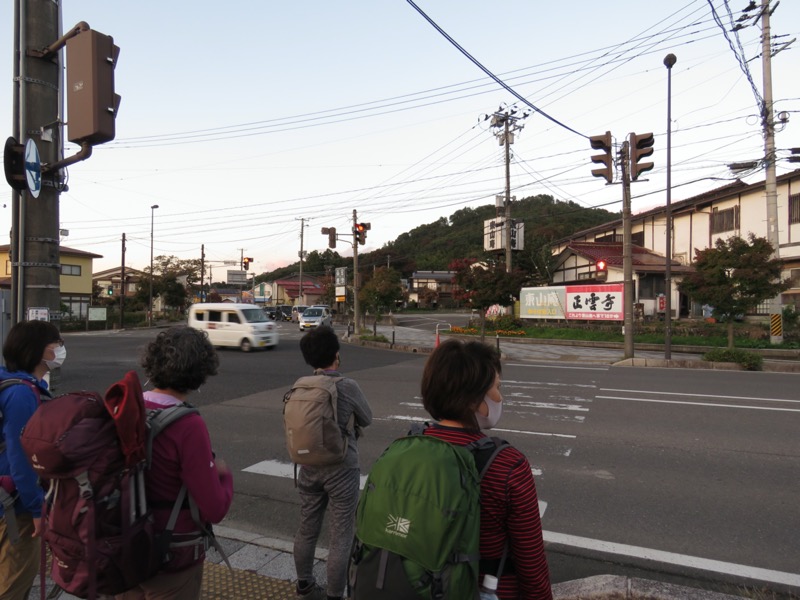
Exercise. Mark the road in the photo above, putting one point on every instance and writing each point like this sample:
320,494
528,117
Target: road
696,469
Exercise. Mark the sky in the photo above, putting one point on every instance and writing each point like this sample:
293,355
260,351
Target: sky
249,122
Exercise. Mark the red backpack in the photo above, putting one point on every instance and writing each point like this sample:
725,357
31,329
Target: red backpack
91,455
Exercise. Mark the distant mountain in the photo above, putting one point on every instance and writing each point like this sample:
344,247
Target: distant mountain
433,246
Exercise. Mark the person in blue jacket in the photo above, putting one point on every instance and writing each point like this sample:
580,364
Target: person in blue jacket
32,348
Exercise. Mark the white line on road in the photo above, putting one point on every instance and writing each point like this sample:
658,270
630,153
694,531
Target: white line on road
700,395
712,404
557,367
705,564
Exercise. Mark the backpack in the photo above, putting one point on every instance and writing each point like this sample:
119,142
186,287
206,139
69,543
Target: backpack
418,520
98,524
313,435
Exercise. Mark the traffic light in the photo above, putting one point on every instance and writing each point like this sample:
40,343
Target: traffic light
360,230
641,146
603,142
110,290
91,102
246,263
331,233
601,269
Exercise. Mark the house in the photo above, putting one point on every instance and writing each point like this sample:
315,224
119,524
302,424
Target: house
287,290
75,282
441,282
111,279
736,209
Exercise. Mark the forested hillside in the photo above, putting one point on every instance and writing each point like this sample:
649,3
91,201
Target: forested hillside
434,246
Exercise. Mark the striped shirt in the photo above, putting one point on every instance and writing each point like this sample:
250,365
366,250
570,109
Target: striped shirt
509,511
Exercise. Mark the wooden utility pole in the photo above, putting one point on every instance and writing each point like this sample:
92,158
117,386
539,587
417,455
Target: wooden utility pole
356,315
122,287
35,260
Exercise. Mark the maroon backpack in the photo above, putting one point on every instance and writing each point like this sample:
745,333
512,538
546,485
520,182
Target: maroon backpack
97,522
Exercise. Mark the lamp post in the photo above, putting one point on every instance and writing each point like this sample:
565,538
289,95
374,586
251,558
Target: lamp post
150,303
669,61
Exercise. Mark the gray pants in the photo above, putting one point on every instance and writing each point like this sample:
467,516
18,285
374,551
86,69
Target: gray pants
319,488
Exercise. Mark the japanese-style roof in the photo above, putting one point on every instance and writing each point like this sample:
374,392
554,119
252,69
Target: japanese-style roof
642,259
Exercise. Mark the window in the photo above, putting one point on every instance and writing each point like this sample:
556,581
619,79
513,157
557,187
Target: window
233,317
724,220
794,208
215,316
650,286
70,270
75,307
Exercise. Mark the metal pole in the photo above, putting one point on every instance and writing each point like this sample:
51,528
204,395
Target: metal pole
507,225
669,61
150,303
355,274
627,255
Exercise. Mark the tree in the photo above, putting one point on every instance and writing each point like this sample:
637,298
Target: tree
481,285
382,292
734,277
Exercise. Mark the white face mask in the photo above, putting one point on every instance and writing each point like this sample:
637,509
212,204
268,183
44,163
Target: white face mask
495,410
60,353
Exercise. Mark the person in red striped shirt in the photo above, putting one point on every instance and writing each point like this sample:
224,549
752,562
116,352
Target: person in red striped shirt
461,391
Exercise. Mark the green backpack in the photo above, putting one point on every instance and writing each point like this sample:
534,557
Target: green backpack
418,520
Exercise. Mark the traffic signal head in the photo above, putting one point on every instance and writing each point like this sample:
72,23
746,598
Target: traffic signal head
110,290
246,263
603,142
601,269
91,102
641,146
360,230
331,233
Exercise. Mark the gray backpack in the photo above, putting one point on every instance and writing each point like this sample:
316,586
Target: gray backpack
313,435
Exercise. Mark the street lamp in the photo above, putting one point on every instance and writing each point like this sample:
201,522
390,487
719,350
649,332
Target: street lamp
150,304
669,61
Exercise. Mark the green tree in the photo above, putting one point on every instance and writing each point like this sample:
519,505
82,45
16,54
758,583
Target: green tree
173,292
382,292
481,285
734,277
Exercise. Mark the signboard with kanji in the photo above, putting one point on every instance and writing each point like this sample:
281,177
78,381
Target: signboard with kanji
601,302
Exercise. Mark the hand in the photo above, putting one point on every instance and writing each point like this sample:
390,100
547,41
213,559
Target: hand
37,527
222,466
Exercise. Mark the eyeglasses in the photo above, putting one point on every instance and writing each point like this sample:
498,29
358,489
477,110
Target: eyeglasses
58,342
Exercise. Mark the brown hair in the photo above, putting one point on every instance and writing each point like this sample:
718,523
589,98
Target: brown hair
456,378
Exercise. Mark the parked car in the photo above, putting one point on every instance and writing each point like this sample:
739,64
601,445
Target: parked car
242,326
270,311
297,310
314,316
283,312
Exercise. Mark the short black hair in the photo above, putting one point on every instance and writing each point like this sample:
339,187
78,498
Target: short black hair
26,342
180,358
319,347
456,378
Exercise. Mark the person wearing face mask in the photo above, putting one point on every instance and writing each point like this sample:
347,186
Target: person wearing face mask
31,350
461,391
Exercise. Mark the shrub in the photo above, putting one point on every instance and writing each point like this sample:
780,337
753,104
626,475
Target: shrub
503,323
748,360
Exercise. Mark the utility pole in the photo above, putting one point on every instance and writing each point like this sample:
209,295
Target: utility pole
37,108
770,180
203,297
301,255
122,287
509,124
355,274
627,251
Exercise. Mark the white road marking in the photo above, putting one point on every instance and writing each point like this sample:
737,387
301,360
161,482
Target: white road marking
549,366
701,395
694,562
711,404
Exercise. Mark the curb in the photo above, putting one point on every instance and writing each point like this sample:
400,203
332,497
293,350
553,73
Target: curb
613,587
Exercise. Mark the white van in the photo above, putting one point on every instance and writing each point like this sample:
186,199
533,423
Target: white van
243,326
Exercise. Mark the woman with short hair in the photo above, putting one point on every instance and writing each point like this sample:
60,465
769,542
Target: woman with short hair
31,350
461,390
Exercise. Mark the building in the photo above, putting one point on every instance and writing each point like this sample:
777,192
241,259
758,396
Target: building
111,279
440,282
737,209
75,282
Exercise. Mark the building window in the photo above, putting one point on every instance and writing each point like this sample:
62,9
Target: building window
794,208
724,220
75,307
650,286
71,270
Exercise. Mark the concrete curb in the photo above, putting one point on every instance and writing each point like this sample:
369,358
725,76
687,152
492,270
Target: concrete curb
613,587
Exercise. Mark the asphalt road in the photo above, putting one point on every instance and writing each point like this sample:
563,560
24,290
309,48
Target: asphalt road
697,470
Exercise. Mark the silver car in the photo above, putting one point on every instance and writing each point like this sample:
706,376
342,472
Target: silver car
314,316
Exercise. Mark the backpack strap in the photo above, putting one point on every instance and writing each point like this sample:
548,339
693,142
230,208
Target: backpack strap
7,383
159,419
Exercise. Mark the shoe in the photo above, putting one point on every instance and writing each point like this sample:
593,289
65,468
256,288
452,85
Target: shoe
312,592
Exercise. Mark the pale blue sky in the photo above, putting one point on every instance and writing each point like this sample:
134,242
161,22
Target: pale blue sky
239,118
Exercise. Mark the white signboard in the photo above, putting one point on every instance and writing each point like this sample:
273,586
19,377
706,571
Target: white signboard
603,302
97,314
494,235
341,277
39,313
237,277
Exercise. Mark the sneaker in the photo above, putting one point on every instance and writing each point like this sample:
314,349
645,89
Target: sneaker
312,592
